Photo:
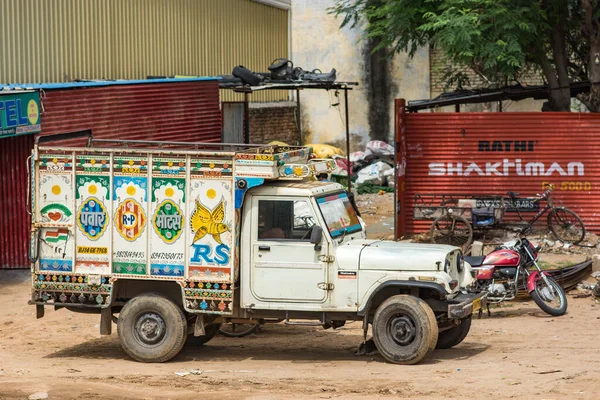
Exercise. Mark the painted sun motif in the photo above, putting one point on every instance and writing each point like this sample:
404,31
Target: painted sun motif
131,189
211,193
56,190
92,189
169,191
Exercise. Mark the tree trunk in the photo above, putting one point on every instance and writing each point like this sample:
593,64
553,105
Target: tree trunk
560,95
558,102
592,100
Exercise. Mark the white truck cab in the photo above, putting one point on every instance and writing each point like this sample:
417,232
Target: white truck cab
180,240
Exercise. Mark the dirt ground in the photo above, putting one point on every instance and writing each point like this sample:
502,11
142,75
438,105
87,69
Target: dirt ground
518,352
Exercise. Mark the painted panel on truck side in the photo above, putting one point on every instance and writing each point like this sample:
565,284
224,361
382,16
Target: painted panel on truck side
211,220
92,205
167,221
130,196
54,212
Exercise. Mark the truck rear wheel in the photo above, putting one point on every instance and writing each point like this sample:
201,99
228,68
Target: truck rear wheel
405,330
152,328
210,330
452,337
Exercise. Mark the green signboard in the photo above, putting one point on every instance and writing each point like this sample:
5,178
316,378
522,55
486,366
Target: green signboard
19,114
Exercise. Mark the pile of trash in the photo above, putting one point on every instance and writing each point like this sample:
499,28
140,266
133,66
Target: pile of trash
281,70
374,168
371,170
587,288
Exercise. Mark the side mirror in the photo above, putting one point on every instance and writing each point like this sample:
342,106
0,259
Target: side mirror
316,236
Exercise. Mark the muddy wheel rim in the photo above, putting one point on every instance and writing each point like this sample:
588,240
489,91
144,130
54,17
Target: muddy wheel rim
402,330
150,329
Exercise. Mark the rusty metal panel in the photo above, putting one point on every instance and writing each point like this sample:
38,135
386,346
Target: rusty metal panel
186,111
15,222
64,40
492,153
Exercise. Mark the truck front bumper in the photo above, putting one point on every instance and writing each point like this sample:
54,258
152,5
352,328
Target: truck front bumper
464,305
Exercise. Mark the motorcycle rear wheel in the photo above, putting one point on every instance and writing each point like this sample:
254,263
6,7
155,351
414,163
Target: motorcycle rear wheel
551,299
454,336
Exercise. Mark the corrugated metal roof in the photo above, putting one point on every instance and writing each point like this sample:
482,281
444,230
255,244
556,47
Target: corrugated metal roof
89,84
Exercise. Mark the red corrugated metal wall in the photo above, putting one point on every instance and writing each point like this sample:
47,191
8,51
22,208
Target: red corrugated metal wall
186,111
14,220
492,153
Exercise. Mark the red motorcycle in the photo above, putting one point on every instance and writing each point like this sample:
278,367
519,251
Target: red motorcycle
504,270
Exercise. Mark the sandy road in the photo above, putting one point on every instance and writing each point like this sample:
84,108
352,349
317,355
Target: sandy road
519,352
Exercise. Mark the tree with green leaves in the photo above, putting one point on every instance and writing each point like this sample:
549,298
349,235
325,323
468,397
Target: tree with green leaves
500,40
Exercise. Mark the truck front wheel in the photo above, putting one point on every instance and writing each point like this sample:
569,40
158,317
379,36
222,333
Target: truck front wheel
452,337
405,330
152,328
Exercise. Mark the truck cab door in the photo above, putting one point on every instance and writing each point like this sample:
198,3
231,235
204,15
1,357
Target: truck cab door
286,266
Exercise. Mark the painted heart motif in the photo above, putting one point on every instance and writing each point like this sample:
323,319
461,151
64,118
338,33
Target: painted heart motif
54,215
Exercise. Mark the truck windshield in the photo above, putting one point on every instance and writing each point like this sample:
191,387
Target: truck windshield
339,214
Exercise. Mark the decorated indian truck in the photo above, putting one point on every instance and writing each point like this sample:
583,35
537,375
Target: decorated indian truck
170,240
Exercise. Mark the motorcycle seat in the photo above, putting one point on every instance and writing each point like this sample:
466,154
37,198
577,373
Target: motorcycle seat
474,261
513,194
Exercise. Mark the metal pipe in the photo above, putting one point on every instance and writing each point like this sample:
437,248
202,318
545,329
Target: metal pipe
348,141
154,142
298,118
246,119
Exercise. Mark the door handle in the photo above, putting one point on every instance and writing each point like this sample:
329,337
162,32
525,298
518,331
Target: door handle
264,248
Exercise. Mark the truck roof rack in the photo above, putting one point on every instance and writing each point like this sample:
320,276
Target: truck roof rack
246,160
173,144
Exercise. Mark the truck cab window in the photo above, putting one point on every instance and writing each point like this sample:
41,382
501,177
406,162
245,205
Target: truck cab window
284,219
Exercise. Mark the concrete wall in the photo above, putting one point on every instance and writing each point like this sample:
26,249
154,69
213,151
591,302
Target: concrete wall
317,42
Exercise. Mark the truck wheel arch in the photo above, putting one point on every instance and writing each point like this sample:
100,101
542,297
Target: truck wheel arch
125,289
395,287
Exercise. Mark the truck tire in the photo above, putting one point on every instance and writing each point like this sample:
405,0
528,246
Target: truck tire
210,330
405,330
152,328
452,337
